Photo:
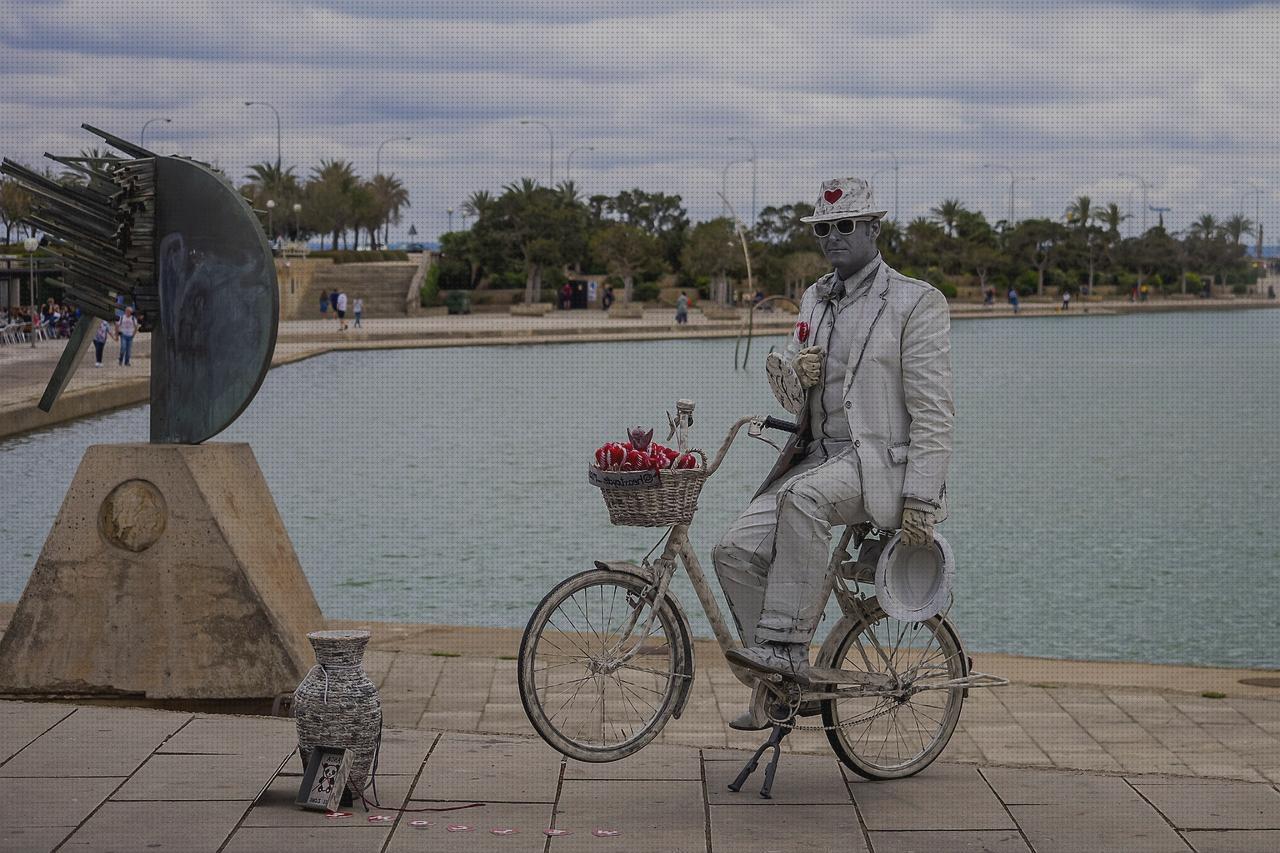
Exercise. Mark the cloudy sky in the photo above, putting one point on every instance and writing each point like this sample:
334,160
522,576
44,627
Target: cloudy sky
1071,98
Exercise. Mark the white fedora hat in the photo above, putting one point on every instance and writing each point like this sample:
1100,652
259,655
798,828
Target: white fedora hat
913,582
844,198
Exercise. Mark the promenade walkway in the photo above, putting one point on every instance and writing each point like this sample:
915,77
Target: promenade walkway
111,779
25,371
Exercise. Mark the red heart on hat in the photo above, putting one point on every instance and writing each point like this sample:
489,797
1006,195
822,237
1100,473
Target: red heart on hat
832,196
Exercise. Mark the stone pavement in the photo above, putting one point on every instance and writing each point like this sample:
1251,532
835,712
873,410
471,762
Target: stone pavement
1107,717
115,779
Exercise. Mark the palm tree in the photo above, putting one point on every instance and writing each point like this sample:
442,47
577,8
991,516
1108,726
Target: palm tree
268,182
330,197
1080,211
391,197
480,202
947,213
1237,227
1205,228
1110,218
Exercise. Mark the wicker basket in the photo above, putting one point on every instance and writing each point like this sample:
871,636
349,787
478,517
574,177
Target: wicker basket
672,501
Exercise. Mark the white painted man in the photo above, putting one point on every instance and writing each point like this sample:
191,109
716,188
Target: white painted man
868,373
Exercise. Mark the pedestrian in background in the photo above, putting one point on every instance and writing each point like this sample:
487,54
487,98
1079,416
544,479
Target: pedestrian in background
1066,299
126,328
359,309
1013,299
100,341
324,306
682,308
342,312
606,301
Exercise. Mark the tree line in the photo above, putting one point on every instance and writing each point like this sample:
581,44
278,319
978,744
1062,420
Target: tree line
533,237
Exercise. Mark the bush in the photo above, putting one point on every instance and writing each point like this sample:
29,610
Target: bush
429,293
1239,289
1026,282
458,302
1194,281
948,290
349,256
645,291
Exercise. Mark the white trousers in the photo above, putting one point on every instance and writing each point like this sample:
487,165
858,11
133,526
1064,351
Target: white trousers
772,563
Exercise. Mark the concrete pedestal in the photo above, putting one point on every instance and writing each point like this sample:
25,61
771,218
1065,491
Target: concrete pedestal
168,573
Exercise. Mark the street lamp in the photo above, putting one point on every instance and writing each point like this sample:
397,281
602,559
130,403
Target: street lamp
278,132
896,164
271,206
449,211
297,219
754,173
552,140
1013,182
1146,187
724,180
142,142
31,244
377,168
568,161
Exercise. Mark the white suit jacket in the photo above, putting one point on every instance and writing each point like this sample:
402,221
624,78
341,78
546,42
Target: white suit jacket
897,392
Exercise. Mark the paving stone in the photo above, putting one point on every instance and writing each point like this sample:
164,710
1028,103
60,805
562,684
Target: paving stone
1125,825
52,802
23,722
32,839
528,820
1234,841
403,751
1050,787
122,738
346,838
1002,841
227,735
652,816
1205,804
158,827
654,762
201,777
801,780
943,796
490,770
786,829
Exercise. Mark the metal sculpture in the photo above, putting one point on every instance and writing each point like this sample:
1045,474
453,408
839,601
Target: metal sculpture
177,241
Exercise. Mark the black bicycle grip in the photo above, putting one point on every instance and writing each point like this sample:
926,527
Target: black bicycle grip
786,426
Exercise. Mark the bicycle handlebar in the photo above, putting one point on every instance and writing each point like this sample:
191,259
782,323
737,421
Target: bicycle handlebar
771,422
776,423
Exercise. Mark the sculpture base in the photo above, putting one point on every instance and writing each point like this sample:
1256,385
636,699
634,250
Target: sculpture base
168,574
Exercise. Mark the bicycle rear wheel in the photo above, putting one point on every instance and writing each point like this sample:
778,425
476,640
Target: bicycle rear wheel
896,731
593,684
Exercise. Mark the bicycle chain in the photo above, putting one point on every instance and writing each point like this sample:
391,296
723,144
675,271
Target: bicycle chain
800,727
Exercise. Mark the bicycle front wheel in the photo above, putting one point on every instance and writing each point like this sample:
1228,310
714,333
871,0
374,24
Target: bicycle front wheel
898,730
595,685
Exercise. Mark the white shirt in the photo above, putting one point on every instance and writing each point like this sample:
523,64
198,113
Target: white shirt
342,302
128,325
359,305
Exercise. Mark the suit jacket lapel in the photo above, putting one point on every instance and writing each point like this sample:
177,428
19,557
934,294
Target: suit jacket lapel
868,314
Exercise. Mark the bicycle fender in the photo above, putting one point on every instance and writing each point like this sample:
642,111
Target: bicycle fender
630,568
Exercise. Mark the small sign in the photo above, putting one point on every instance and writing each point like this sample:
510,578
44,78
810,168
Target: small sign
325,779
647,479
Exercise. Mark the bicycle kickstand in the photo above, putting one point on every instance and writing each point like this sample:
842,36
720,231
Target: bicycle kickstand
775,742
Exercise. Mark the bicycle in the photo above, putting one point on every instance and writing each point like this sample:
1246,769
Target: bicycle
606,659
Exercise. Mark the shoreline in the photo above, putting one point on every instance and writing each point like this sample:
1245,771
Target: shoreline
298,340
466,641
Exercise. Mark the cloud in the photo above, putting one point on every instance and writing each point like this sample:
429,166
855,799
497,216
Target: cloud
1068,94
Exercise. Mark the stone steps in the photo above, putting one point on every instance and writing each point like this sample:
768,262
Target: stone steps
382,286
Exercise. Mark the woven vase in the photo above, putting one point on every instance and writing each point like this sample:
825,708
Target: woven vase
337,705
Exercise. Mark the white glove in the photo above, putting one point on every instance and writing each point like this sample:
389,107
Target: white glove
917,527
808,366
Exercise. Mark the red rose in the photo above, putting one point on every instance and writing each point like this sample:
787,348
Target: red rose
802,331
617,454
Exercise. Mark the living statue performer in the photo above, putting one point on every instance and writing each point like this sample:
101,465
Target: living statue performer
868,373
